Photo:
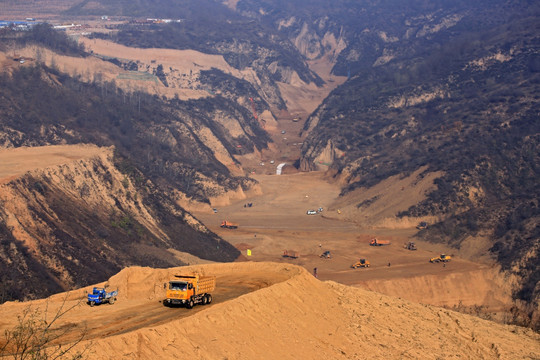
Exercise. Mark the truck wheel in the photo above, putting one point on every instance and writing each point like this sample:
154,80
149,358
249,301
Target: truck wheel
111,301
92,303
204,300
190,304
208,299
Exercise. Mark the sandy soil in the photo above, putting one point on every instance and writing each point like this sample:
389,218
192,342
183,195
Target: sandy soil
15,162
139,301
270,311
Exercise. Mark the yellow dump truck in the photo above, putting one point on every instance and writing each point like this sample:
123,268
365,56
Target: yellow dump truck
189,290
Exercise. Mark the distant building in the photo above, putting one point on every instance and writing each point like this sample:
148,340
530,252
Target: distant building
17,25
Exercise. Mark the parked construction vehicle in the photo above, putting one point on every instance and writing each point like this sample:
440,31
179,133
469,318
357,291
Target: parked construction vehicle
290,254
362,263
441,258
100,296
326,255
422,225
228,225
189,290
410,246
377,242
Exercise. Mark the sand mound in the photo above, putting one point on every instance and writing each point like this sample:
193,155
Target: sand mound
303,318
281,312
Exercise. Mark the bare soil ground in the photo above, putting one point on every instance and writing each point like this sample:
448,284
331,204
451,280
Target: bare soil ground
15,162
277,221
139,302
270,311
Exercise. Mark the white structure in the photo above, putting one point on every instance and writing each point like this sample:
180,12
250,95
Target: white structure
279,167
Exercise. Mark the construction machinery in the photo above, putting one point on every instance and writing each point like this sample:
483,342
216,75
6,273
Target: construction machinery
189,290
362,263
228,225
441,258
290,254
100,295
422,225
326,255
377,242
410,246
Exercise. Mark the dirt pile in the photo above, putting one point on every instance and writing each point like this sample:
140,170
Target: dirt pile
282,312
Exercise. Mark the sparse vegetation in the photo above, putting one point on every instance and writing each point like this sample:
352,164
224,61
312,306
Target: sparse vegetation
45,35
36,333
445,102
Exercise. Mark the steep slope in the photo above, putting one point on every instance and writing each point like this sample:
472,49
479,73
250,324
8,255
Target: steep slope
445,87
77,219
156,136
294,316
262,54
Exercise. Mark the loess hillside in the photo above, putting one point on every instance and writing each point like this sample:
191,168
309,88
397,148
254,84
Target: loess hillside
439,88
71,218
439,95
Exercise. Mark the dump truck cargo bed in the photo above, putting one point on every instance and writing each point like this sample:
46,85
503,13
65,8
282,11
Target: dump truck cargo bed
206,284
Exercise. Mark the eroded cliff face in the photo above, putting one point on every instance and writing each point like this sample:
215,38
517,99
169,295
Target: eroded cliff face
77,223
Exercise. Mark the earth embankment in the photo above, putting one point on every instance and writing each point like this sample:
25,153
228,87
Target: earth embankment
283,312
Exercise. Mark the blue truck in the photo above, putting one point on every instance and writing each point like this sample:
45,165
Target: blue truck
100,296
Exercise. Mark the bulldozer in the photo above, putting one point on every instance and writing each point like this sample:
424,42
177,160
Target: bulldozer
326,255
440,258
410,246
362,263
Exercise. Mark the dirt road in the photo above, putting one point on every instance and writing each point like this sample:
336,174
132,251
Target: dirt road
139,303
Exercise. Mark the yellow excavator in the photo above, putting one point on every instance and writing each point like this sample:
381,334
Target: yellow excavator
362,263
441,258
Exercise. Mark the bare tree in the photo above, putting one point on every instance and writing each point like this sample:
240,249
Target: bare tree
35,336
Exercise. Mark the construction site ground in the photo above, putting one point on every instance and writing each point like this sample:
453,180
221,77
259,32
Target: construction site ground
277,221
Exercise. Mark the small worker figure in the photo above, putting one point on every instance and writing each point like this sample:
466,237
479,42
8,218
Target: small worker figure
315,272
388,264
